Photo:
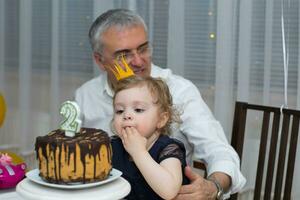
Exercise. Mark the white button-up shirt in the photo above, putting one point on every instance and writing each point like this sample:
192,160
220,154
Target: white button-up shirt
201,133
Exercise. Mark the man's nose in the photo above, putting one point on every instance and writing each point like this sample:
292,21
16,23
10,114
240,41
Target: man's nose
136,60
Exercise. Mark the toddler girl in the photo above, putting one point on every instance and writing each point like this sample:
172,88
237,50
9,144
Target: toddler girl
150,160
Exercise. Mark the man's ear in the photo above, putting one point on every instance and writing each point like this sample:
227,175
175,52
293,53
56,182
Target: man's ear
163,119
99,60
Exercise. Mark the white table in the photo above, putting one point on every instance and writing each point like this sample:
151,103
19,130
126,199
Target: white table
116,189
9,194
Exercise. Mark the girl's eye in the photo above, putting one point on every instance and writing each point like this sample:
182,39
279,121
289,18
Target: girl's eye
118,112
139,110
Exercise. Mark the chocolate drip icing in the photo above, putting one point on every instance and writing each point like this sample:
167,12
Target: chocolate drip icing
88,140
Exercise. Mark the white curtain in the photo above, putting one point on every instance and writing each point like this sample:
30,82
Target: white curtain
232,50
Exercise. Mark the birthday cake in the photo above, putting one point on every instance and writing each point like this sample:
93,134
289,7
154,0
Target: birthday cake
84,158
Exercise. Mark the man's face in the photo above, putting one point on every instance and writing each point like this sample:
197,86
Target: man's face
131,42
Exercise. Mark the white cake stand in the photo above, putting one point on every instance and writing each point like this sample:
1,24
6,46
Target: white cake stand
116,189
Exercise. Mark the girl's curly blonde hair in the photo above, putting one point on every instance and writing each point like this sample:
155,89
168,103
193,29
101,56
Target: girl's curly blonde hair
160,93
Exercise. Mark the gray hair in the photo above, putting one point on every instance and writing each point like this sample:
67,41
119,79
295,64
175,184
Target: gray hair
116,17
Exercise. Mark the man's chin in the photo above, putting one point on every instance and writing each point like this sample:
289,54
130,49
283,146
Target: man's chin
142,74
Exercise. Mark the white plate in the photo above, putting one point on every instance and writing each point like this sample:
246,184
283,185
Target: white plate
33,175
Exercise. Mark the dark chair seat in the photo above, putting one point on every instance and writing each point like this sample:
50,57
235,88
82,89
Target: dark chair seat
277,149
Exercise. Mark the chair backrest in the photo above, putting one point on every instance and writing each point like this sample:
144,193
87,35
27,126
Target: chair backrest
279,127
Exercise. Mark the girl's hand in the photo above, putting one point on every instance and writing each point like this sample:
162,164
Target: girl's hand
133,142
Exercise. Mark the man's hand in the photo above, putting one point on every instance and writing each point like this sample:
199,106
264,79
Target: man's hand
198,189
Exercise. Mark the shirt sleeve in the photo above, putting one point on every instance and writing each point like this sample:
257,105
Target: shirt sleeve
171,151
205,134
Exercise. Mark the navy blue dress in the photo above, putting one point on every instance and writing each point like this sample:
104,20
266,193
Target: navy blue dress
164,147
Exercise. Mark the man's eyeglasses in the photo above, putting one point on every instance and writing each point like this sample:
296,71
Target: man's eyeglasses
144,51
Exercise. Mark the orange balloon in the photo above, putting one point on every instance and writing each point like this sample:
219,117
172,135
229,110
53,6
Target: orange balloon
2,109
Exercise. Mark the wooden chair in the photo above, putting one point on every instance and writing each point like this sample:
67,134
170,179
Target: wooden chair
280,161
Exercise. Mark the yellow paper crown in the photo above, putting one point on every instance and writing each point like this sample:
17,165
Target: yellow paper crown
119,71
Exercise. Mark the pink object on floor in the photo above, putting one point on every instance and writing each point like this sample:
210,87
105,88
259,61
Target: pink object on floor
10,174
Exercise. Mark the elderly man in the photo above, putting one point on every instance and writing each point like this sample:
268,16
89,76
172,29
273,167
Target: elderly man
121,32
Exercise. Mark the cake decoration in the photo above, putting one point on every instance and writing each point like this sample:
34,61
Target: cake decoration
121,71
71,123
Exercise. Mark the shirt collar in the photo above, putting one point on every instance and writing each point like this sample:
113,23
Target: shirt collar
158,72
107,87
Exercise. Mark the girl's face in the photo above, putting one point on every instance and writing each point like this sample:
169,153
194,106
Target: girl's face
134,107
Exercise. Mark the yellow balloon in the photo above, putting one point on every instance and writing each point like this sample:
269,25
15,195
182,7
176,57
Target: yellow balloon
2,109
